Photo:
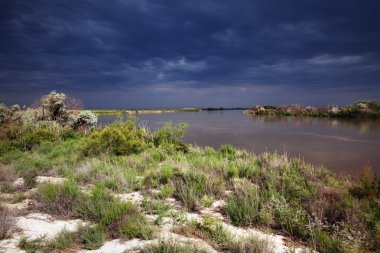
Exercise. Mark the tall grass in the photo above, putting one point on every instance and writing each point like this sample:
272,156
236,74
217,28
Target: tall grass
7,223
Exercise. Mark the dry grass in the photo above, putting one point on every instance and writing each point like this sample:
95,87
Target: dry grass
7,223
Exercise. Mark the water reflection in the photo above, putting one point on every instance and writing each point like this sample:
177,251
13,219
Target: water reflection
362,126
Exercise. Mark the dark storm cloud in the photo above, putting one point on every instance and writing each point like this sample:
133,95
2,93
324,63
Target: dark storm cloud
180,53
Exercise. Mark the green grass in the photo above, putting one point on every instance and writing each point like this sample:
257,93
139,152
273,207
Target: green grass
121,219
212,231
62,241
92,237
31,246
243,206
62,199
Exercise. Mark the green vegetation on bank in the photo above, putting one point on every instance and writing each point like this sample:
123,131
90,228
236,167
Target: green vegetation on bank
360,109
311,205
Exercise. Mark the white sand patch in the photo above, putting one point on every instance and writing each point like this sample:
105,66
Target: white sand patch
10,245
214,210
37,225
52,180
18,183
239,233
135,197
199,243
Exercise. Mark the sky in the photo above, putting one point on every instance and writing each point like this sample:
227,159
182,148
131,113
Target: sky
195,53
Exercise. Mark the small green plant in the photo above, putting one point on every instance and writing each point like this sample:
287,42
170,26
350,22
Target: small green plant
207,201
61,199
167,191
63,240
292,219
213,231
227,151
120,219
191,186
169,137
232,172
31,246
326,244
154,206
92,237
165,174
243,206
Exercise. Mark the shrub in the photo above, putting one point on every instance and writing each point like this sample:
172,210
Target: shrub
166,173
167,191
243,206
171,136
191,186
29,177
292,219
29,118
207,201
153,206
6,223
54,103
63,240
159,155
368,185
3,109
36,137
119,218
61,199
227,151
326,244
232,172
118,139
97,205
92,237
212,230
68,134
85,120
31,246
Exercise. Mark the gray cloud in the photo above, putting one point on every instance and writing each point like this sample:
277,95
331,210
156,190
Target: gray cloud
181,53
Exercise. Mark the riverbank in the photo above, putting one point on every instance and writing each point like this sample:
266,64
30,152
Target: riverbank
360,109
69,186
148,191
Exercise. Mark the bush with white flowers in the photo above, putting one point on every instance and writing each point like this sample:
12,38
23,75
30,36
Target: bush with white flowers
85,119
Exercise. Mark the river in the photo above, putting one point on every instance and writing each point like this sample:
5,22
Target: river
342,145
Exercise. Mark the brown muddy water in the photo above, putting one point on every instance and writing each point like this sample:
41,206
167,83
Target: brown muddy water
344,146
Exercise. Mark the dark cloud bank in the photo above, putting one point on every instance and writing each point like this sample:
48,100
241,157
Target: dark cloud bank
136,53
